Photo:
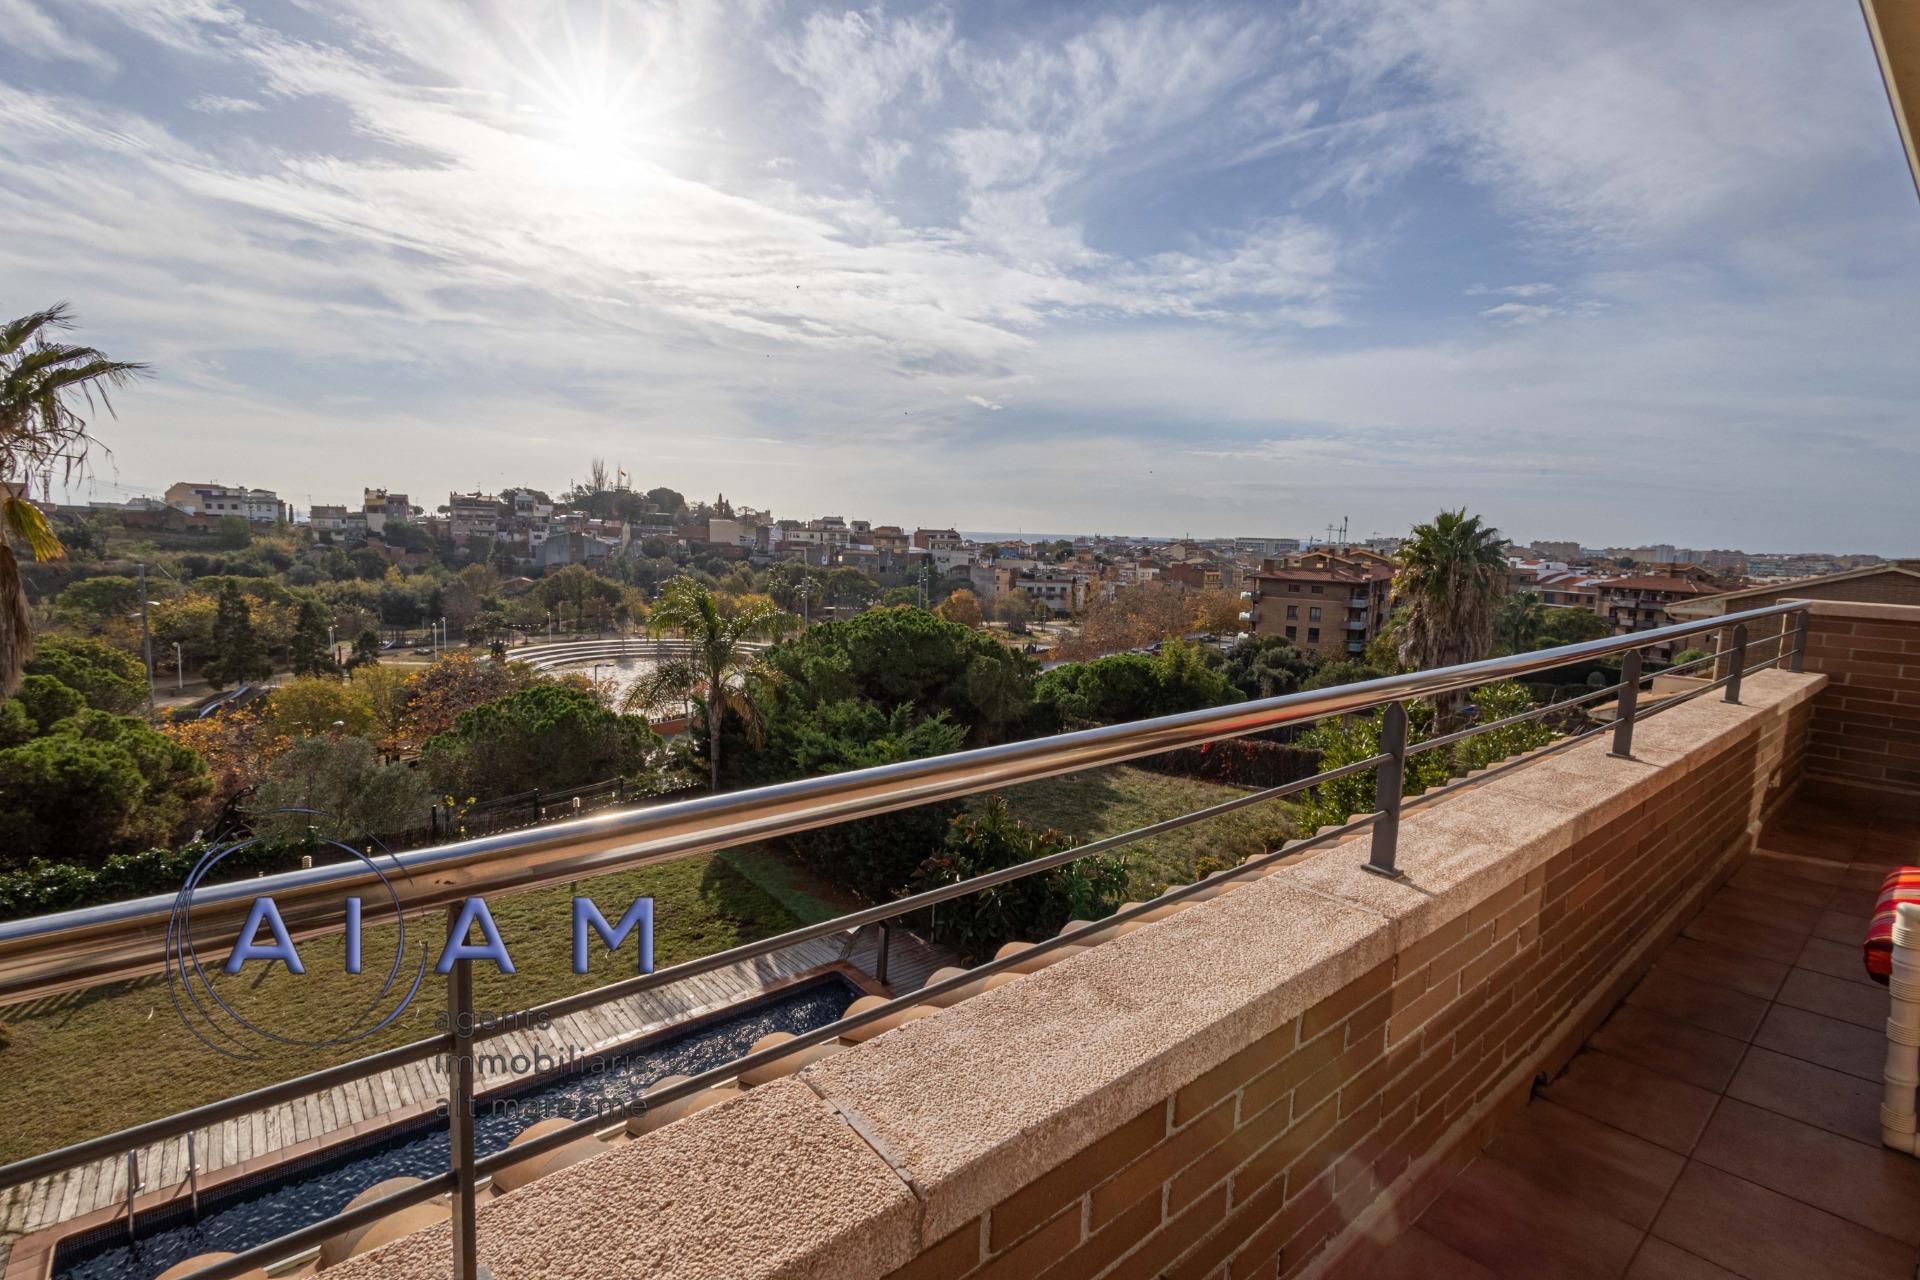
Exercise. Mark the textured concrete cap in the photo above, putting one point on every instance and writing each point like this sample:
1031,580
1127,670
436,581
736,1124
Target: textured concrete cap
771,1185
977,1102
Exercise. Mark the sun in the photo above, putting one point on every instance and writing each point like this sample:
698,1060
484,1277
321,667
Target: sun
597,141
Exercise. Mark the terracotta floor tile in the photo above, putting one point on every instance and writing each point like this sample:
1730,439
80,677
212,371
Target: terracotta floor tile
1564,1152
1628,1096
1864,1004
1769,883
1832,1100
1817,843
1496,1216
1827,1041
1416,1255
1722,966
1835,959
1658,1260
1872,1186
1670,1046
1817,870
1766,909
1763,1235
1841,926
1737,933
1703,1004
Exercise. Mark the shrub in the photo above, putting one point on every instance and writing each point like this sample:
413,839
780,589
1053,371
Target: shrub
1027,909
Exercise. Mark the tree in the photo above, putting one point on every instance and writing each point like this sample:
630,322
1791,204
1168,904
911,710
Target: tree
312,651
546,736
343,778
1013,608
1567,625
1131,686
1520,621
39,382
1453,574
1215,612
232,533
309,705
109,679
366,650
896,657
962,607
714,670
1267,666
459,682
95,785
239,654
94,605
1029,908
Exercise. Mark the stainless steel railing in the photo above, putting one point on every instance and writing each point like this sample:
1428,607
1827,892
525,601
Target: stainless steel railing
55,953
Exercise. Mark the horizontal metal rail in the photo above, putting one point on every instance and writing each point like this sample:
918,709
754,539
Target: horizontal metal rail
1304,707
75,949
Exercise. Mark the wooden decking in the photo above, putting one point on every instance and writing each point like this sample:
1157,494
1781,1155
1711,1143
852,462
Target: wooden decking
102,1185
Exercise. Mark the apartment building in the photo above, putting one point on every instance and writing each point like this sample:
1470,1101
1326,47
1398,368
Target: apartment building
1324,601
217,501
1640,603
474,516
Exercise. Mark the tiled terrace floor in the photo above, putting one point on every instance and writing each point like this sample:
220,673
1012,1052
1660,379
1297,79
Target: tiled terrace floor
1725,1120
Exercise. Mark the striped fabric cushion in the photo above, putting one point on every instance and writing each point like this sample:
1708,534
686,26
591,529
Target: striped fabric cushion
1901,885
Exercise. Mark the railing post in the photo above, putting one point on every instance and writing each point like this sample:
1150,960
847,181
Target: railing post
193,1177
133,1185
886,946
1800,640
1624,709
1389,780
460,1114
1739,661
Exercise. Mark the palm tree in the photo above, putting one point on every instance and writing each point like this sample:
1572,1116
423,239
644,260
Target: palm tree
1522,620
717,633
1452,578
39,380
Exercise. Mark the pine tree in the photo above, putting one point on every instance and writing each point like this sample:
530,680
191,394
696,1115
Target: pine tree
312,654
239,654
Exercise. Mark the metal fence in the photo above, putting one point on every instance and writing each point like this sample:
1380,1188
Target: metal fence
80,948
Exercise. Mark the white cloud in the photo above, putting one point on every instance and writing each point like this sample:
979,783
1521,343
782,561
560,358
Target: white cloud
214,104
1520,312
985,403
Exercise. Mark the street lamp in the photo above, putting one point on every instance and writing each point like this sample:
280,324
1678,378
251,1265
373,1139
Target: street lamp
179,668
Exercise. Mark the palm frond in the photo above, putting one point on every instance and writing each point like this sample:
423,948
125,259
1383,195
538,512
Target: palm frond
29,524
17,333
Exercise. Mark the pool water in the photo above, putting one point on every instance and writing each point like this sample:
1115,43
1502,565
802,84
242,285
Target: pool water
317,1189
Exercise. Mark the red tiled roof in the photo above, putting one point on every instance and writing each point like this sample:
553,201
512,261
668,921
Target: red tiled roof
1680,586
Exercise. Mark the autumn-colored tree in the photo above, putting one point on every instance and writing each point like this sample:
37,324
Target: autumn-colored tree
308,705
456,683
1131,618
1216,612
238,746
962,607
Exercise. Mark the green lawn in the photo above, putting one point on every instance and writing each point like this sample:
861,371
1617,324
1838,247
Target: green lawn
91,1062
1108,801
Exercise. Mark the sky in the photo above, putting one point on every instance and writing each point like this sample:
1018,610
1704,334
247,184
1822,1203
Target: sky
1624,273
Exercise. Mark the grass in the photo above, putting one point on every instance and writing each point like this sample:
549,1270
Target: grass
1109,801
91,1062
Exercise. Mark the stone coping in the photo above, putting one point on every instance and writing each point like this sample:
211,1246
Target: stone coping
865,1158
1867,612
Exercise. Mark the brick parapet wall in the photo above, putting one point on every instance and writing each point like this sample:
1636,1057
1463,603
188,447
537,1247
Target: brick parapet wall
1866,723
1258,1166
1244,1089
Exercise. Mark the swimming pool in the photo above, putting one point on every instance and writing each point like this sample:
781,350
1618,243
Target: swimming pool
305,1192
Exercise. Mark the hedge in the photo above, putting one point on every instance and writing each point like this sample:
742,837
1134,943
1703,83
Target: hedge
43,886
